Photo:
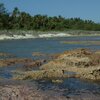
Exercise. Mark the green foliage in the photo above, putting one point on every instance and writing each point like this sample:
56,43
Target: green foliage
4,17
22,20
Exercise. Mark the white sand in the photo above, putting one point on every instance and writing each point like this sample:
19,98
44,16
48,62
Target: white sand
27,36
54,35
5,37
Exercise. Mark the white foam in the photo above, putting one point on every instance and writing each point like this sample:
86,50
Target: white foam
54,35
27,36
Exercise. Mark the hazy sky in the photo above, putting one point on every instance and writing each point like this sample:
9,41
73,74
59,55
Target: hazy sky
85,9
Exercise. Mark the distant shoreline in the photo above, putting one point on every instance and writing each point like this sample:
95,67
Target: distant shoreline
20,34
31,36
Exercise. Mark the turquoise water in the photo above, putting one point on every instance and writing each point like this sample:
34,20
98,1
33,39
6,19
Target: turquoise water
24,48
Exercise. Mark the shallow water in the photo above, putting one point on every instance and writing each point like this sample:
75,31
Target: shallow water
24,48
71,86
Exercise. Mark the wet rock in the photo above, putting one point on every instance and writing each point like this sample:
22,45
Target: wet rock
39,54
3,54
79,58
93,74
13,93
95,59
26,92
33,64
84,96
81,61
76,53
53,74
12,61
40,74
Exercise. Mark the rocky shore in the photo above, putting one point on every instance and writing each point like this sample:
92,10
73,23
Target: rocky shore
83,63
78,63
25,92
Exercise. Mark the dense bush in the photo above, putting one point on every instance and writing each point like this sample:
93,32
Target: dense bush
24,21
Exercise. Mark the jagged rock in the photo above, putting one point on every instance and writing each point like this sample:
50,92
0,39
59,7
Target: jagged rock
94,74
26,92
33,64
80,61
11,92
40,74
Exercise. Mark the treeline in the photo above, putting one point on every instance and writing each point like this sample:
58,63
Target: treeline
24,21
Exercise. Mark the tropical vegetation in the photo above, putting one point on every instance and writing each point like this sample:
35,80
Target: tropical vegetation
24,21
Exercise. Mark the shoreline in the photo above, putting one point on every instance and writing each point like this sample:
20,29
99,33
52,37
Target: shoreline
13,35
31,36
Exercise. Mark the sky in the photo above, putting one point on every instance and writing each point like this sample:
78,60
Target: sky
85,9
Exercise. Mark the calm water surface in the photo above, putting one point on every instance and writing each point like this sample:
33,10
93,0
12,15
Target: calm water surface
24,48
